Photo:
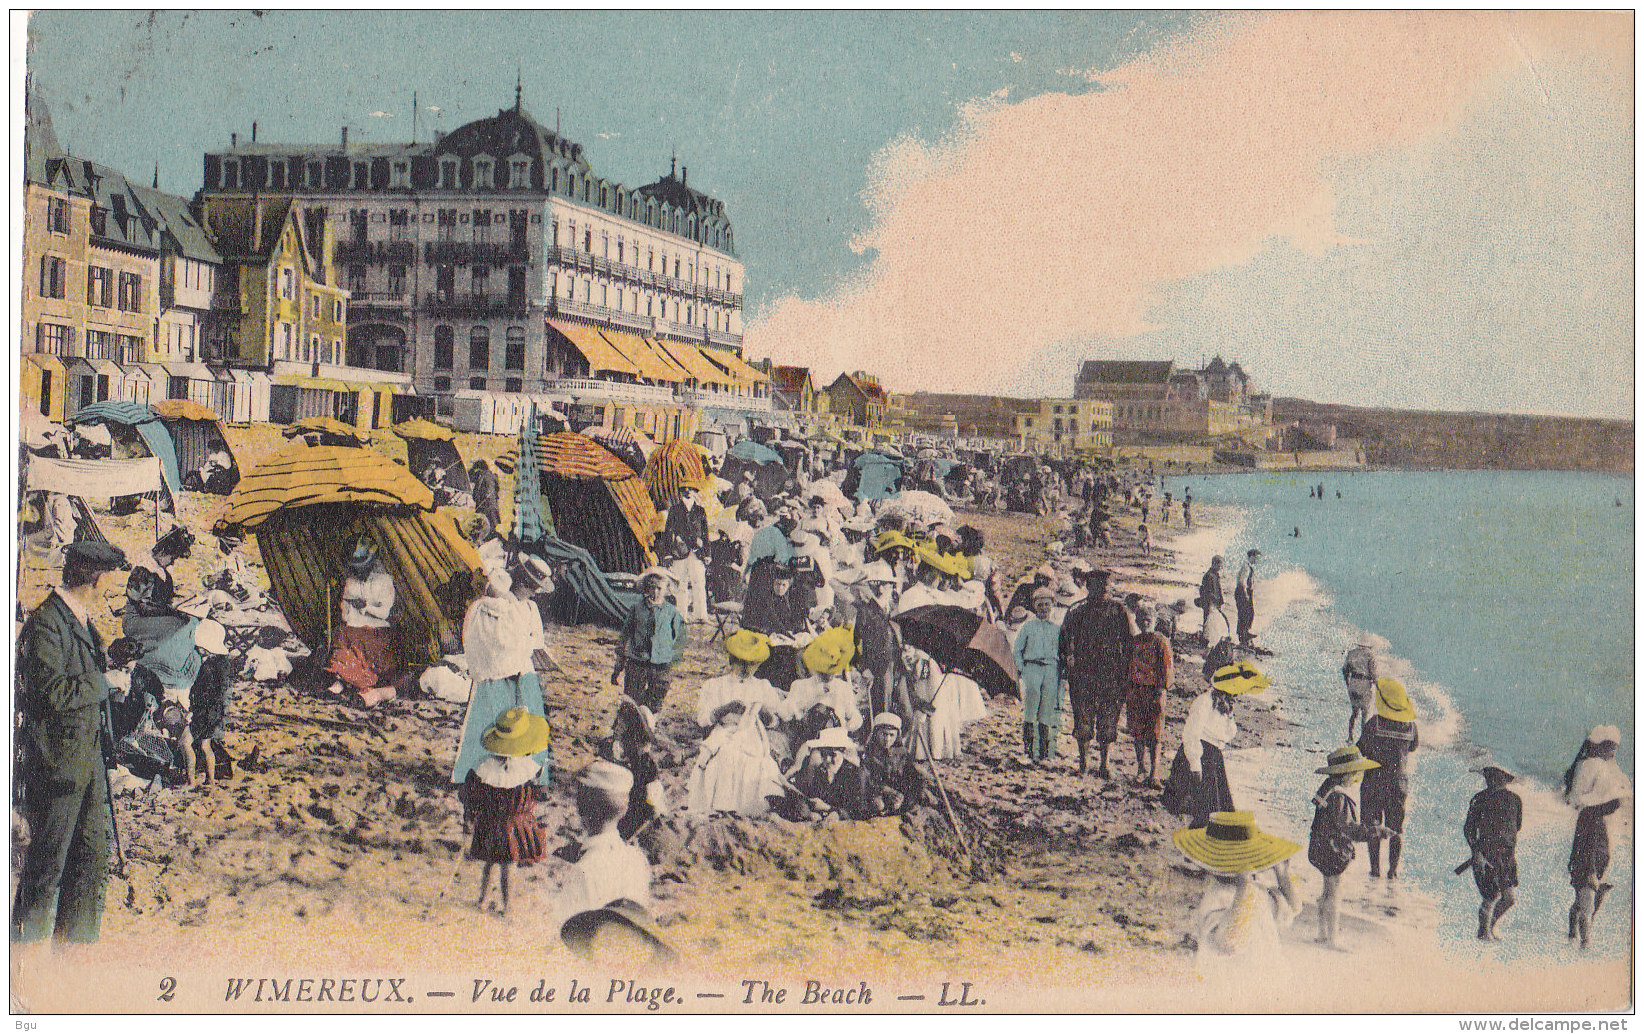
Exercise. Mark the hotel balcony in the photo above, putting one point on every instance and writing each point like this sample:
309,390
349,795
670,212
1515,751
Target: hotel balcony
572,258
376,252
465,253
588,310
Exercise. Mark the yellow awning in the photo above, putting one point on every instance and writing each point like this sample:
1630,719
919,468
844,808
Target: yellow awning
652,362
690,357
598,351
738,369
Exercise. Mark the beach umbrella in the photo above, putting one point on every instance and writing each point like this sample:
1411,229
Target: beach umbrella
918,507
670,467
331,431
770,474
532,522
145,422
963,641
830,493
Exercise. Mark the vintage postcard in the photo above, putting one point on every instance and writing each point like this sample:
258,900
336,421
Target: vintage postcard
849,512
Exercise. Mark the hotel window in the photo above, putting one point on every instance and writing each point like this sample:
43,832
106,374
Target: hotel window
447,224
131,349
479,348
398,218
51,338
362,175
519,173
604,245
357,219
315,349
482,173
53,277
336,310
285,341
316,174
97,344
131,292
482,226
399,174
396,280
604,198
445,279
514,357
588,241
554,181
443,348
100,286
556,233
276,175
482,280
287,285
620,255
448,173
514,384
57,215
442,384
476,383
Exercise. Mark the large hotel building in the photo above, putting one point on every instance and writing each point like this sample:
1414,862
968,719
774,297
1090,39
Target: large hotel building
493,264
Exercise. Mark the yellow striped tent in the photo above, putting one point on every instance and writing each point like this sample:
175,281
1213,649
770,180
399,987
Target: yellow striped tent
671,466
597,502
307,505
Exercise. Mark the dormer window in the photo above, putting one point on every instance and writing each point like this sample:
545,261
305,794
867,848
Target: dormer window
482,173
448,173
519,173
362,175
316,174
399,174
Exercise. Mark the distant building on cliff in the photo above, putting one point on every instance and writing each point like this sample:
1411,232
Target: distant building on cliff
1154,401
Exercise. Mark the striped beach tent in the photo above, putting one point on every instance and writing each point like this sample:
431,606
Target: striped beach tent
307,505
674,464
532,522
197,432
597,501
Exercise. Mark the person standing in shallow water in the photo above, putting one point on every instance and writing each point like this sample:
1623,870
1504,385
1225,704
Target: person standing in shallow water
1596,786
1336,826
1387,739
1494,817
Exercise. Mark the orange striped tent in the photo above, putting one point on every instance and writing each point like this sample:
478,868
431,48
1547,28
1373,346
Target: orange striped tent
597,502
307,505
673,465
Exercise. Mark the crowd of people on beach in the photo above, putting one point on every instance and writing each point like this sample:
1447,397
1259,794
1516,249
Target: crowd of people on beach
860,637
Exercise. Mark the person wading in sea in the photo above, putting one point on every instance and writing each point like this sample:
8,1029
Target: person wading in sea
1494,817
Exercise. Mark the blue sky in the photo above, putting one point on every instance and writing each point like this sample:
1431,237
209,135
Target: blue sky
1378,209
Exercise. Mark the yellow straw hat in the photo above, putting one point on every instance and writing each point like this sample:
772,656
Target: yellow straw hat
1346,759
1392,702
830,653
1231,844
517,733
748,645
892,539
1239,678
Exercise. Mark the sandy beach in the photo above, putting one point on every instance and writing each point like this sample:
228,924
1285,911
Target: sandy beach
348,836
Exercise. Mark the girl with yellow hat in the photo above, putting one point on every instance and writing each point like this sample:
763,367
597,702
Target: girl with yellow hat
734,770
1335,828
500,794
828,658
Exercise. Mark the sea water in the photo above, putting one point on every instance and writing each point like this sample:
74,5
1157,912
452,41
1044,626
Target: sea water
1503,601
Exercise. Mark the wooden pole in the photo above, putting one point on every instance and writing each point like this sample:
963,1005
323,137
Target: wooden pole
930,763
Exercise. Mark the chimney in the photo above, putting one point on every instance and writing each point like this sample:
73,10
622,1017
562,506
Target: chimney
684,175
233,139
345,136
253,130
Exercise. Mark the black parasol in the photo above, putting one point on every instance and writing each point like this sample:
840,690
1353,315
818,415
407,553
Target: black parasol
961,640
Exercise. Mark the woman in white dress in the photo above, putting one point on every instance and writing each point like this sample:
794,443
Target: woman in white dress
735,770
944,703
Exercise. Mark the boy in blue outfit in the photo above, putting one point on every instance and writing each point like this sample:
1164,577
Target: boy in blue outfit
652,642
1041,674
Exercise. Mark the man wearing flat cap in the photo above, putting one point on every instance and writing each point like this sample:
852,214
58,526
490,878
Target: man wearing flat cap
65,781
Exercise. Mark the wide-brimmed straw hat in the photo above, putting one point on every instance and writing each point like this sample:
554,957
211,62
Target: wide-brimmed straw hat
606,777
892,539
888,719
1239,678
747,645
1043,593
1231,844
878,573
532,571
1604,734
517,733
211,637
1345,759
830,653
1392,702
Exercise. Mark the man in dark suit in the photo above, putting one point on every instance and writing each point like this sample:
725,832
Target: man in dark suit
1094,648
65,781
685,548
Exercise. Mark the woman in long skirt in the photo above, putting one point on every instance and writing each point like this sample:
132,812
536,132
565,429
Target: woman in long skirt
1198,785
500,636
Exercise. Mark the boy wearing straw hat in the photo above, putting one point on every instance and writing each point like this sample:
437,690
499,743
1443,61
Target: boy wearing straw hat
651,643
1387,739
1494,817
499,797
1335,827
1237,916
1039,668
